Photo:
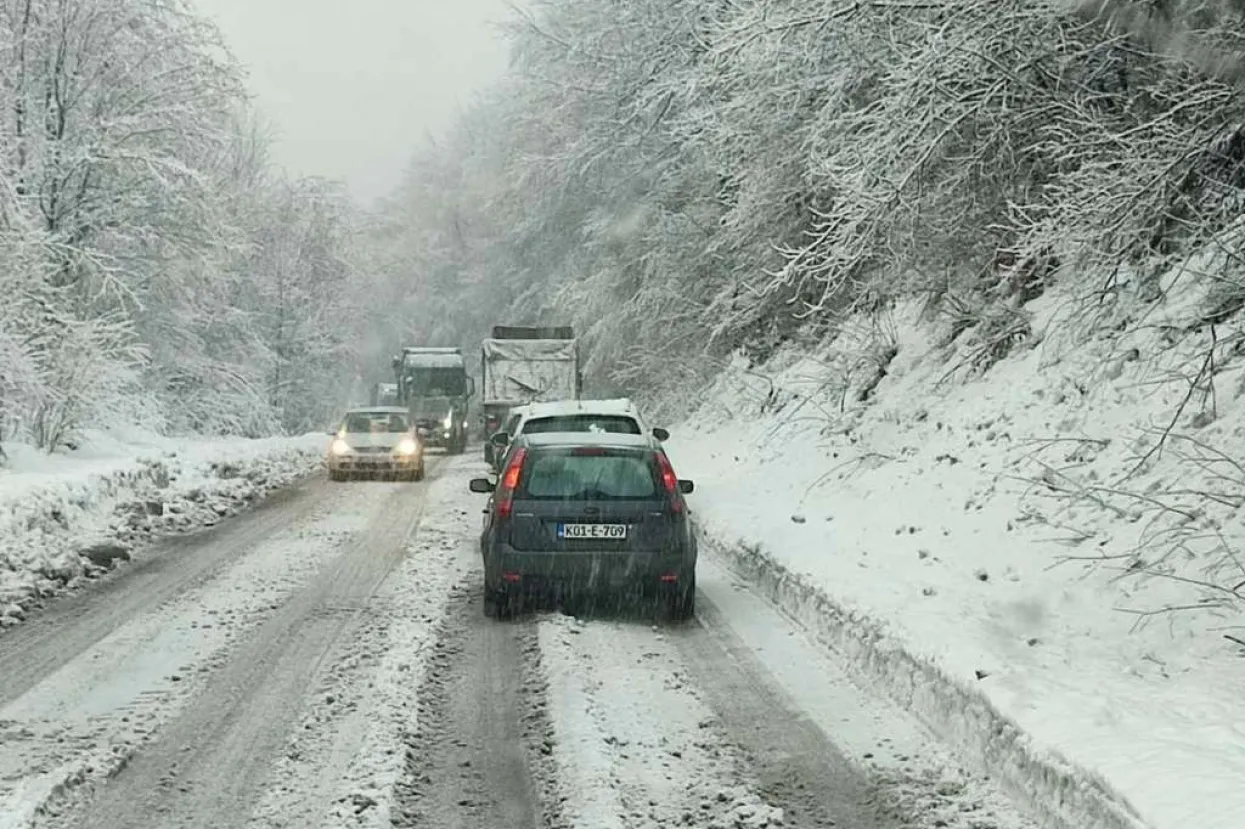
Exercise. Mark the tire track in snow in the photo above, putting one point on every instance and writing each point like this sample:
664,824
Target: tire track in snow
467,753
822,744
207,767
342,766
51,639
87,719
796,764
634,744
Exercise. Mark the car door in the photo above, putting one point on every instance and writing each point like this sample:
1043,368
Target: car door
486,526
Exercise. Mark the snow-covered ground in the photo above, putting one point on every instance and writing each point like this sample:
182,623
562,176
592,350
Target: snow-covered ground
342,765
633,743
1007,550
71,515
325,661
88,719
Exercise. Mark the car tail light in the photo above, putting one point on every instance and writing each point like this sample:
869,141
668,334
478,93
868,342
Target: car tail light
510,482
670,481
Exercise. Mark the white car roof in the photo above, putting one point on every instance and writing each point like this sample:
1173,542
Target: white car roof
590,439
614,406
378,410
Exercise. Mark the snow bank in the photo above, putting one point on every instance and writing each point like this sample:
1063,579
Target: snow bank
68,517
1006,555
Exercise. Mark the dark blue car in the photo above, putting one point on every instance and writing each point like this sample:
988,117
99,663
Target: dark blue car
587,513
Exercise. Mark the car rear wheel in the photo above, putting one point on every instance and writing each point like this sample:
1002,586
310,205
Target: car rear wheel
681,600
499,604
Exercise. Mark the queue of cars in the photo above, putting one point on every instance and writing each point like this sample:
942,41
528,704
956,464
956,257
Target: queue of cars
583,500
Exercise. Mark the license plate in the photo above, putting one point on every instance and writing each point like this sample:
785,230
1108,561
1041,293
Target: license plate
606,531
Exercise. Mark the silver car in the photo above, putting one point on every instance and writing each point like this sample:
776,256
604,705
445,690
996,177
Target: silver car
376,442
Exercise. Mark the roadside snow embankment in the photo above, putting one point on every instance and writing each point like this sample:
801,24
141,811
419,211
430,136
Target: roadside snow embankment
1014,557
65,518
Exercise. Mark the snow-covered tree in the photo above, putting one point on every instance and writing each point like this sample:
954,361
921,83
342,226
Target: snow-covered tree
681,180
157,271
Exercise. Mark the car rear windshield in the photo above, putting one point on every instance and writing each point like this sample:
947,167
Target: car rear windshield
588,474
617,424
376,422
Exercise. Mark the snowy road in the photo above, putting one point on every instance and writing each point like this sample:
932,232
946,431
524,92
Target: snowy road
324,661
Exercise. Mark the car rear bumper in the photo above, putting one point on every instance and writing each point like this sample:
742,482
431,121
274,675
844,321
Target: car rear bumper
563,572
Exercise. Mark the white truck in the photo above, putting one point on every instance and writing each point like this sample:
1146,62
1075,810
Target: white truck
521,365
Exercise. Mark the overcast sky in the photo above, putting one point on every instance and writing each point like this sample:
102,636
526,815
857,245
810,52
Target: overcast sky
354,86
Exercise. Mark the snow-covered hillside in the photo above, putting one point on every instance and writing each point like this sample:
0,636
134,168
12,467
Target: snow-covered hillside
1052,545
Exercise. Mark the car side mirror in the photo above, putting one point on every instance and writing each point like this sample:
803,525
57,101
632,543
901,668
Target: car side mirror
687,487
661,434
499,439
481,485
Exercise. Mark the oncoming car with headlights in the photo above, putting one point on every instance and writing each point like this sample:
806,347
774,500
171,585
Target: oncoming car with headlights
377,442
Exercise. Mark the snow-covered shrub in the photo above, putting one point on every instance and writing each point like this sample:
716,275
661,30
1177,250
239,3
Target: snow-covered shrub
90,370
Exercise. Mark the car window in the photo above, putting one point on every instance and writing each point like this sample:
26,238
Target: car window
375,422
512,424
562,474
617,424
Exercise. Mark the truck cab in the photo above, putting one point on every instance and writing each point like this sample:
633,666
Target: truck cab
434,386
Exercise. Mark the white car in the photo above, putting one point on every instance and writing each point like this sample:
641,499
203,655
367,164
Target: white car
617,415
376,442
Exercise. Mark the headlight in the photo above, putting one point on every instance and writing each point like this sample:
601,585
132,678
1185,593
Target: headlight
340,447
407,446
449,420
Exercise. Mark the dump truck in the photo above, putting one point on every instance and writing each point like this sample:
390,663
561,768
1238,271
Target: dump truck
521,365
435,388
